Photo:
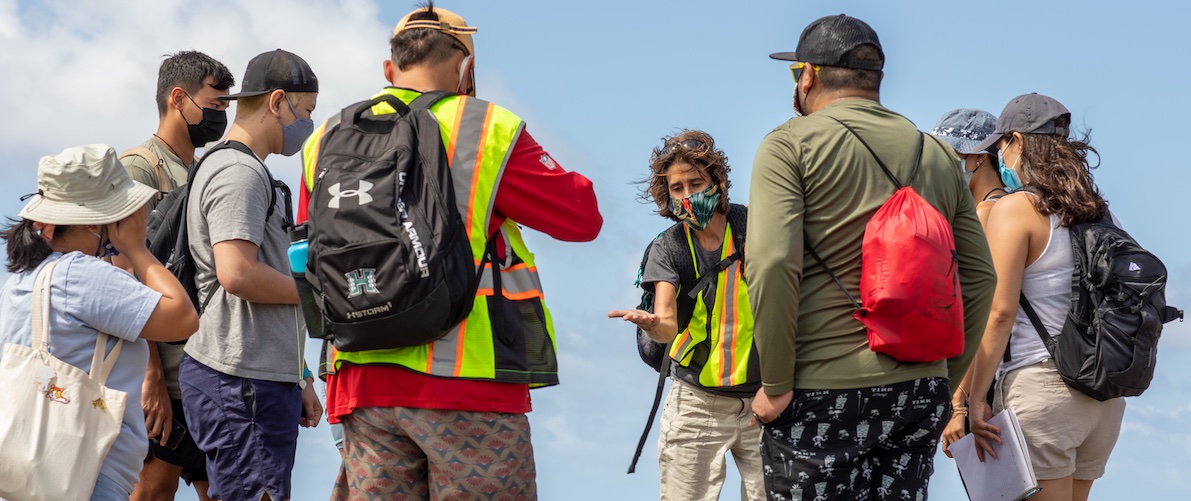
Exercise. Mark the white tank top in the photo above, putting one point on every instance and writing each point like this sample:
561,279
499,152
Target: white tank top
1047,284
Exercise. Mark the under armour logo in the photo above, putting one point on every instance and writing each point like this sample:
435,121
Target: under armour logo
1134,267
336,194
361,281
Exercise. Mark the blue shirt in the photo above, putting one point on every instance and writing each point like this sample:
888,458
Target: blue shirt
88,296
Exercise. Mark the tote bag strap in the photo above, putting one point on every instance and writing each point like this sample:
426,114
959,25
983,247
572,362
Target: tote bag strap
41,310
101,366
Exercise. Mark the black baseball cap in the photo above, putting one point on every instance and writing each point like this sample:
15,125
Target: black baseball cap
827,41
1029,114
274,70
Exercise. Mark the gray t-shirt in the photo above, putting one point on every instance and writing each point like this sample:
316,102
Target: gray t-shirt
141,171
659,267
89,296
229,201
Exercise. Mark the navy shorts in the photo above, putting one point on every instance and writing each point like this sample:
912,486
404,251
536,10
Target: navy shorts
248,429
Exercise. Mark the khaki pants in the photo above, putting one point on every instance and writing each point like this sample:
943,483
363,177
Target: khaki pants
698,430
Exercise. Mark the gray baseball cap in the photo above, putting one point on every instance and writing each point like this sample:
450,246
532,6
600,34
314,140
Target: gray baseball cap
964,128
828,40
1029,114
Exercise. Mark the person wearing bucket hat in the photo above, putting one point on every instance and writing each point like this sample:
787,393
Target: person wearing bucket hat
816,184
87,207
250,337
964,129
476,381
1031,246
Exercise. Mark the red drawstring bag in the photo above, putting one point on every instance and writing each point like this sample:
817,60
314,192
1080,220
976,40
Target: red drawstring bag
910,300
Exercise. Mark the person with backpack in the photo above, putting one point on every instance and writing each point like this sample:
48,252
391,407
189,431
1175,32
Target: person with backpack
86,207
869,278
964,129
1070,427
190,115
245,384
436,414
694,273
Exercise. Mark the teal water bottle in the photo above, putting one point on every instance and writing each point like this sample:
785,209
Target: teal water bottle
299,251
297,256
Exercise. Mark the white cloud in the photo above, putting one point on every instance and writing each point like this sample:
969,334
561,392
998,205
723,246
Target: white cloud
83,72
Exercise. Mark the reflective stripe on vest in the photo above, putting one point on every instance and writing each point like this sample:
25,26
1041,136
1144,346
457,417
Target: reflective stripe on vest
479,138
729,329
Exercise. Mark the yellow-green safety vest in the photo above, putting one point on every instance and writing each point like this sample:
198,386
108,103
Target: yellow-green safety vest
478,136
727,327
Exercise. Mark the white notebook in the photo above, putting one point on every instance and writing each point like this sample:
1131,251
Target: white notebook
1010,477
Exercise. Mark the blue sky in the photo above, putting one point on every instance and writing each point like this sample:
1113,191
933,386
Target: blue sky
599,83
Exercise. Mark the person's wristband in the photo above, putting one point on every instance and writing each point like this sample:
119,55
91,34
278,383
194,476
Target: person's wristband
306,373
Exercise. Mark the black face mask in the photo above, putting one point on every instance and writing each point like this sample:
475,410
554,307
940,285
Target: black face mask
210,127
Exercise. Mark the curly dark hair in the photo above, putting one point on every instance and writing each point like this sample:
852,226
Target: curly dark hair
1057,170
693,147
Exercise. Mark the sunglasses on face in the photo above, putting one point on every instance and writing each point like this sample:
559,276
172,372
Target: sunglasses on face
796,70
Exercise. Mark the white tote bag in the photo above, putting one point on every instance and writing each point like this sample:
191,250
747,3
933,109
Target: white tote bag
57,422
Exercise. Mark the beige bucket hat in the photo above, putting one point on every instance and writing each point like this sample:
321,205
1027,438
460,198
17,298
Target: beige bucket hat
84,185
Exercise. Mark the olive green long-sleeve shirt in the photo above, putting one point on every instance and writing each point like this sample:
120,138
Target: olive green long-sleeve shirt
814,183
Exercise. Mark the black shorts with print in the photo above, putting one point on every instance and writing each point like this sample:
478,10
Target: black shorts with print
868,443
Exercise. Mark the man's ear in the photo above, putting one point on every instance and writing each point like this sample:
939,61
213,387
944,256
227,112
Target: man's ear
388,70
177,95
806,82
275,99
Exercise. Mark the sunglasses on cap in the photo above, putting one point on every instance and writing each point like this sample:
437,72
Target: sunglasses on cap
796,70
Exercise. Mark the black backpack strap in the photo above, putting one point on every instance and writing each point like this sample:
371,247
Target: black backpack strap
426,100
738,221
888,173
1047,340
663,374
831,274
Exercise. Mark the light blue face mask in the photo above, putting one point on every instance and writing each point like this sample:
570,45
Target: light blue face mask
1008,174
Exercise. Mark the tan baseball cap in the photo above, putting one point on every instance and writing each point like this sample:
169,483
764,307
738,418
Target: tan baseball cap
439,19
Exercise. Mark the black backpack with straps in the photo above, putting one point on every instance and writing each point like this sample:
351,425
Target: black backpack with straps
389,255
169,240
674,242
1109,342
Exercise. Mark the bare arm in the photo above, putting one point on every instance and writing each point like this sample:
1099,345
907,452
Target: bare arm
174,318
662,324
244,276
1009,241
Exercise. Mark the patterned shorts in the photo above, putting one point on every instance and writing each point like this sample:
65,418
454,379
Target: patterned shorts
404,453
869,443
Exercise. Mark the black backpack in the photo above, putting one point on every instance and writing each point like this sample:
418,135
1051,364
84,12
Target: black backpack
1109,342
389,257
168,239
674,242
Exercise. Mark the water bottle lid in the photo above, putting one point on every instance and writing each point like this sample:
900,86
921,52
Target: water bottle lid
298,232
